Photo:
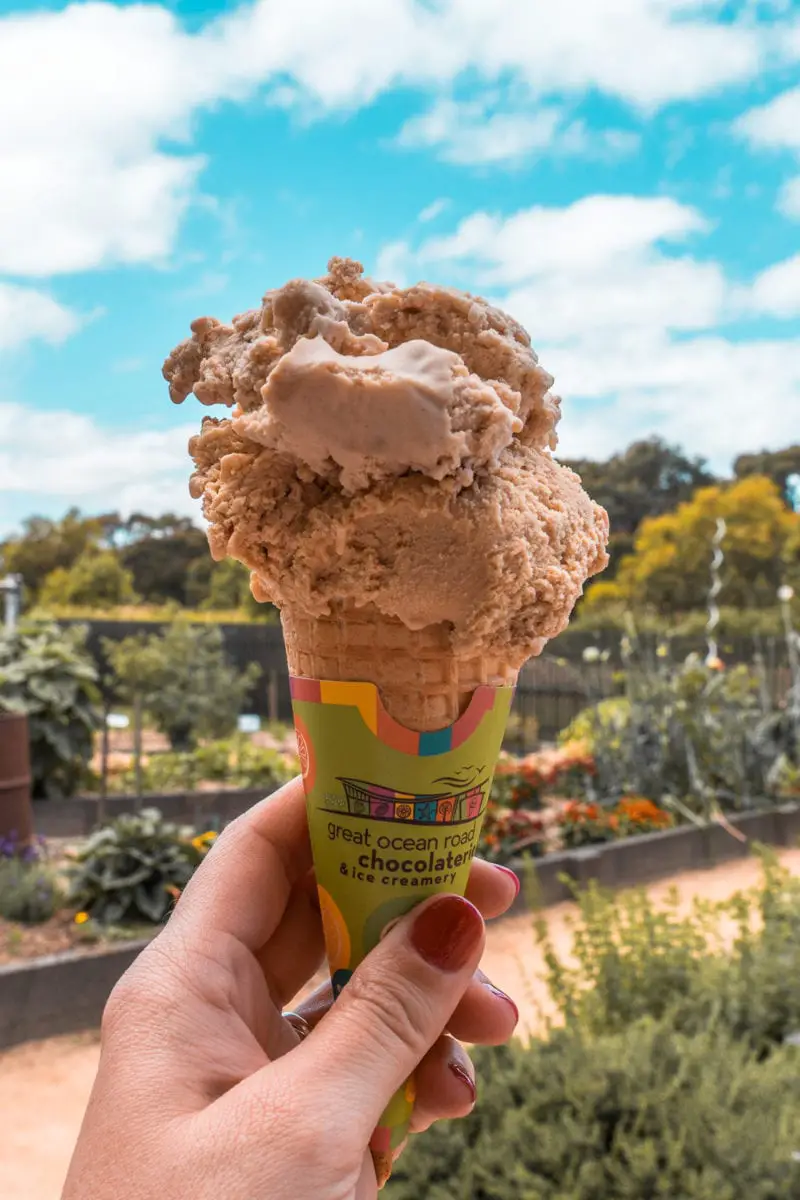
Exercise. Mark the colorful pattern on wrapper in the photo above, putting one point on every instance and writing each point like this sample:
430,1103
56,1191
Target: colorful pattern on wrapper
395,817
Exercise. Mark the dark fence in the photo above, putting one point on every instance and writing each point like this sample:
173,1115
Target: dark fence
578,669
244,644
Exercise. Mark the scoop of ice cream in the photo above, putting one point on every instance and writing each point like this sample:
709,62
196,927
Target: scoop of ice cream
230,364
371,417
390,448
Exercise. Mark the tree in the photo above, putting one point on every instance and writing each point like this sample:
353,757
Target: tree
45,546
229,586
184,680
95,580
225,587
777,465
670,566
646,480
159,553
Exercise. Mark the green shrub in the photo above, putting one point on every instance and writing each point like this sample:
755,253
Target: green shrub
674,1072
183,679
261,766
232,761
131,869
97,579
691,735
29,891
634,960
46,673
642,1114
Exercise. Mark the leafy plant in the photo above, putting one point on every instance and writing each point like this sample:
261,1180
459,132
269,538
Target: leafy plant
589,824
183,679
133,868
646,1114
46,673
585,824
29,890
506,830
235,762
673,1071
691,736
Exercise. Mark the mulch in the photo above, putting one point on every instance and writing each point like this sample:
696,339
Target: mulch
18,942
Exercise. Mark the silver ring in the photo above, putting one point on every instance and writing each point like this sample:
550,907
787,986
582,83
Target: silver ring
299,1024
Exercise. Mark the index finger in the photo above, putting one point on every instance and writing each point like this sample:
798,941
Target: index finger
243,886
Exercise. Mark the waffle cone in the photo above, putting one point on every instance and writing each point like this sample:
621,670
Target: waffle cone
423,685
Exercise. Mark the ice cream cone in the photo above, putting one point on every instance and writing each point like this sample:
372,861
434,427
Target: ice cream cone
390,447
422,683
425,688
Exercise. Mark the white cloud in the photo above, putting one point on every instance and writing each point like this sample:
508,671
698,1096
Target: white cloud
628,322
466,133
393,263
789,198
715,397
96,101
776,291
774,126
597,233
64,455
469,132
26,314
432,211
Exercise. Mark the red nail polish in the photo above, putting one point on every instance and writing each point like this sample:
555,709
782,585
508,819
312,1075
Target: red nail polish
463,1075
502,996
447,932
512,875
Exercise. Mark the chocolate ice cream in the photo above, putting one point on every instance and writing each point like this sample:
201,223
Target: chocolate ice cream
389,449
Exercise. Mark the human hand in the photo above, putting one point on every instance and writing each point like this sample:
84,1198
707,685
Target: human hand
205,1090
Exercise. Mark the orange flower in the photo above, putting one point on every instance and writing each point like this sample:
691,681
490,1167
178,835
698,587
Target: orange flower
641,811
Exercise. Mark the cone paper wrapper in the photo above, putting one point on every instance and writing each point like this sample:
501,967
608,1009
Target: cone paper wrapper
395,817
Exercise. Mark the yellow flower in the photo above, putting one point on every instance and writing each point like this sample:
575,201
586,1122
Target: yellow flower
81,918
662,651
204,841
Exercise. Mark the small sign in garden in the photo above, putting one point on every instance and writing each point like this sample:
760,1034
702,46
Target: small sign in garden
248,723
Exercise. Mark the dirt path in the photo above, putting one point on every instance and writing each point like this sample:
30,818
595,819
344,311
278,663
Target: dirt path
44,1086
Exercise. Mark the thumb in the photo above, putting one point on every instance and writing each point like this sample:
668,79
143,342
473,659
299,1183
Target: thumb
392,1010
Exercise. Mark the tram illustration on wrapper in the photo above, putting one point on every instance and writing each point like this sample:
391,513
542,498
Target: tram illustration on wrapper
372,801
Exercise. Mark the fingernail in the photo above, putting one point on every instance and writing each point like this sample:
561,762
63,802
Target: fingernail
502,996
463,1075
512,875
447,932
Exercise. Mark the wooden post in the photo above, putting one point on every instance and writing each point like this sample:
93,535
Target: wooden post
272,695
137,749
102,807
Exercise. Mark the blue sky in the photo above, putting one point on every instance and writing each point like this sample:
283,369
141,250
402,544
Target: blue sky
623,175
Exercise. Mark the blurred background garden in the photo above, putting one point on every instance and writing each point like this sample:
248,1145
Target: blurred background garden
154,694
151,679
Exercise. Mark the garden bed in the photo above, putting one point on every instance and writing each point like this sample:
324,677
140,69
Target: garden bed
60,935
644,859
78,816
65,992
60,993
